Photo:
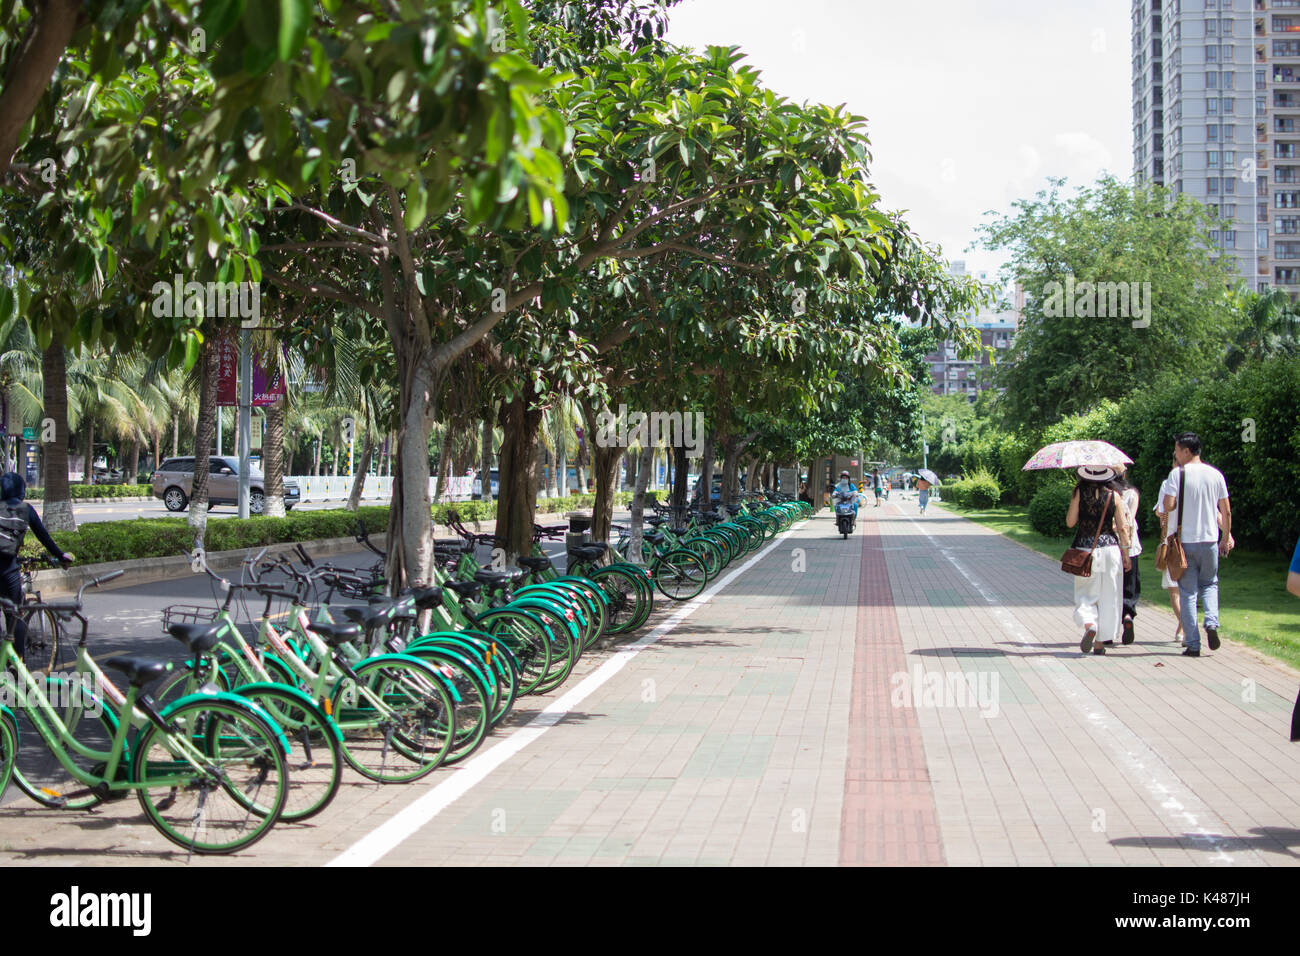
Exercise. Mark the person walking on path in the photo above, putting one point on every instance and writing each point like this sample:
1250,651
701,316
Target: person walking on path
923,493
16,516
1166,528
1204,540
1130,498
875,485
1094,508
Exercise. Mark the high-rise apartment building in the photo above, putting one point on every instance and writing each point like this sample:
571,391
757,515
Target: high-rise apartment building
1201,86
953,375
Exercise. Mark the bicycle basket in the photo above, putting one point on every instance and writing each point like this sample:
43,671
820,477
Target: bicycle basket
187,614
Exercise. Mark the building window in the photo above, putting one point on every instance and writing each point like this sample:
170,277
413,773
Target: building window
1211,134
1212,159
1230,185
1211,106
1212,187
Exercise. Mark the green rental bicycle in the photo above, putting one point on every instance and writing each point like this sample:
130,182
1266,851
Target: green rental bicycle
209,770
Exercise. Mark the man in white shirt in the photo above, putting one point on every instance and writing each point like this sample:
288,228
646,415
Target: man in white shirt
1205,500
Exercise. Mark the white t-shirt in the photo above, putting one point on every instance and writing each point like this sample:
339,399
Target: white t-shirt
1204,488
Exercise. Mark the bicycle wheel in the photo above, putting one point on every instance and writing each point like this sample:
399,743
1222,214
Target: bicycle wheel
39,773
527,639
238,795
681,574
707,550
474,706
623,594
8,750
398,720
44,649
315,755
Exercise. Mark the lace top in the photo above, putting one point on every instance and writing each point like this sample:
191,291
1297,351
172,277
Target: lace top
1091,502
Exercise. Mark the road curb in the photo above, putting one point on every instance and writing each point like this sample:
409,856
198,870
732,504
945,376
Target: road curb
146,570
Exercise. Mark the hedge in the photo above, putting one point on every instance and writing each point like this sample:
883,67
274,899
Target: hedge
112,541
98,491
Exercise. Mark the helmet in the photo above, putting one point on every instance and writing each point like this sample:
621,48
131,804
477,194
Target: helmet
844,474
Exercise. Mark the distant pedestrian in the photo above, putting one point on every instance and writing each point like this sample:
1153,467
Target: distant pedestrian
1132,582
1098,600
923,493
876,485
1204,538
1168,526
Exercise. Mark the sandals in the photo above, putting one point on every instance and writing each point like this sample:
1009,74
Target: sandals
1089,634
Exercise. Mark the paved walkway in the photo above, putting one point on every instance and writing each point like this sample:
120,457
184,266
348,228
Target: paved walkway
914,695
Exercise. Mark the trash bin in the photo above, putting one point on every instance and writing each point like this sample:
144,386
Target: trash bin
579,531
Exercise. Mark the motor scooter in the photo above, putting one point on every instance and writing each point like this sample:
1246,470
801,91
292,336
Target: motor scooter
845,516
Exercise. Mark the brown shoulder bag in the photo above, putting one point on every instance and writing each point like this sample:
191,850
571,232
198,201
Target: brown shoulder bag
1169,555
1077,561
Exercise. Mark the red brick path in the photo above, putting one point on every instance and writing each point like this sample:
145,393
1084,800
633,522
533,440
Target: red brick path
889,814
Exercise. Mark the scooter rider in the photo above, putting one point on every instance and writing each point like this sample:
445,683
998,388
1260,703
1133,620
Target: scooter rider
846,487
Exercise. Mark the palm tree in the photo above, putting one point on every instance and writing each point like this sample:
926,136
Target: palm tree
1267,327
57,510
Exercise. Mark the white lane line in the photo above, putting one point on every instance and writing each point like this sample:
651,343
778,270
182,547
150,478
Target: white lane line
1180,805
388,836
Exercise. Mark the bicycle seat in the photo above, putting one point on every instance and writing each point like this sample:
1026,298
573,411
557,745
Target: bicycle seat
334,634
654,537
377,613
466,589
599,546
199,638
139,670
656,521
499,578
535,564
586,552
426,598
681,530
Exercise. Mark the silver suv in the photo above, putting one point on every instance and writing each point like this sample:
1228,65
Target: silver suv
174,480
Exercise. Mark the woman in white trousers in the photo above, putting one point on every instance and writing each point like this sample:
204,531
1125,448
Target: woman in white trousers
1098,513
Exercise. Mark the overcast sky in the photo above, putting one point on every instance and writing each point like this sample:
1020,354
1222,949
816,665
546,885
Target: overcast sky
970,103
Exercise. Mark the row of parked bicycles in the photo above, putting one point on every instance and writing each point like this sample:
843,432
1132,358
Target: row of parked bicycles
304,668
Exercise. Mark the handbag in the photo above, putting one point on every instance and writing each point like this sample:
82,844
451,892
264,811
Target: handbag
1170,557
1077,561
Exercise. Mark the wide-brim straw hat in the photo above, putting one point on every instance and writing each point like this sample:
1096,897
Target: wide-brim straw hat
1096,472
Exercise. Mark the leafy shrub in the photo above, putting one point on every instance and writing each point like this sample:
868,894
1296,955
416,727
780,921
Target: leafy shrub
956,492
983,490
1048,508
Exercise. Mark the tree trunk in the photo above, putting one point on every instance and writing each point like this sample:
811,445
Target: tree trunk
56,513
444,464
31,64
705,483
176,434
362,468
410,523
638,503
273,460
203,431
315,468
605,458
679,484
132,475
485,462
88,474
517,505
